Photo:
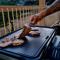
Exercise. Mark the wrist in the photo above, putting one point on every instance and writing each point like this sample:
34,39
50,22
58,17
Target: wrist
42,14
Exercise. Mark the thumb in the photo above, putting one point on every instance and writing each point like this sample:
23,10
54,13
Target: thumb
31,18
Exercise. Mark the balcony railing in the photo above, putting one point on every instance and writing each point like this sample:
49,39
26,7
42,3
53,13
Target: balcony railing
14,17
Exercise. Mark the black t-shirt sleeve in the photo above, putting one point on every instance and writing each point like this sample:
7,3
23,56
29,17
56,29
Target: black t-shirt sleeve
49,2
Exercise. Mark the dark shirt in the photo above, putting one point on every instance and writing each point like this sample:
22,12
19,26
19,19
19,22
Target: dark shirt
49,2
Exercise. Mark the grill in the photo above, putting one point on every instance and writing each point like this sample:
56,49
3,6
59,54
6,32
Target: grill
33,49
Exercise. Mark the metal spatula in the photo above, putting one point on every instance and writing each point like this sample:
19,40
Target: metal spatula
26,30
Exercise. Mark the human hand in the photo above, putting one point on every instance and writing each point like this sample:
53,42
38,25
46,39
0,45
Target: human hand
35,18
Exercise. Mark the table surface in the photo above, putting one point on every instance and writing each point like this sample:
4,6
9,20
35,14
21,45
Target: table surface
33,46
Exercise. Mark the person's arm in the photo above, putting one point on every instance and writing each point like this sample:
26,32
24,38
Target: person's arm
53,8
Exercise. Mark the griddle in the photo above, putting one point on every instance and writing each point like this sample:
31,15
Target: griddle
32,49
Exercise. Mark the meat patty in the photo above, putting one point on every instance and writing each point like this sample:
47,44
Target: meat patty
17,42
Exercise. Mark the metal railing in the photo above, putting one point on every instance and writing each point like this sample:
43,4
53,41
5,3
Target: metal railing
14,17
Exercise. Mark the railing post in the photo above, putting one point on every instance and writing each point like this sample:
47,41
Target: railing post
21,25
9,20
17,18
12,22
23,17
3,20
41,7
26,15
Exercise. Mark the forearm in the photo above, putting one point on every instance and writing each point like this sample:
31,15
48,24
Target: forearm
53,8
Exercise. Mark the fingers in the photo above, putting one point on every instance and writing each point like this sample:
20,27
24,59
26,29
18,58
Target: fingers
34,19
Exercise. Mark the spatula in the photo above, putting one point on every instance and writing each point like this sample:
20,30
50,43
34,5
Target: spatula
26,30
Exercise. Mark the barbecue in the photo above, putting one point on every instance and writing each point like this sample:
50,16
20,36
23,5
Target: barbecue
29,46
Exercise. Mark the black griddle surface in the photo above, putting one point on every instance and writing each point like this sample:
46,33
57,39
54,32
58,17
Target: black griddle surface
33,46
